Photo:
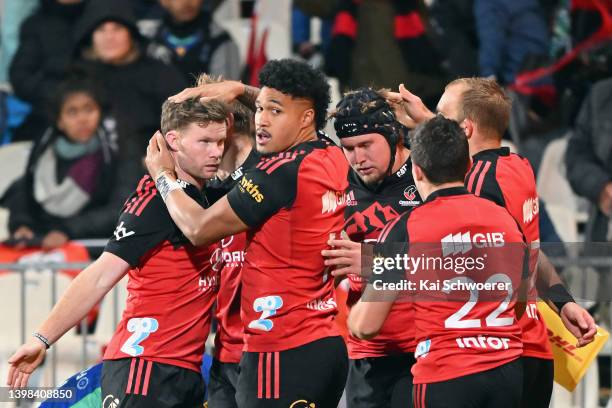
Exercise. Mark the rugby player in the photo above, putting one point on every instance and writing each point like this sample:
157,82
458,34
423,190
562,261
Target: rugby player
381,188
290,202
482,109
468,352
154,357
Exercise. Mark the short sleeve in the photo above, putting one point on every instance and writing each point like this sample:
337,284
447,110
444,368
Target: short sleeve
264,190
143,225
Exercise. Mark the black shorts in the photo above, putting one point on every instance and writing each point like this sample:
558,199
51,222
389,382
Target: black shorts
538,377
380,382
135,382
312,375
500,387
222,384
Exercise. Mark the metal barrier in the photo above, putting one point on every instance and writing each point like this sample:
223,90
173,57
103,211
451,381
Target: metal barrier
54,267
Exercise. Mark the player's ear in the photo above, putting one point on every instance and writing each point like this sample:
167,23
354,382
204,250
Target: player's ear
229,121
417,173
308,117
172,139
468,127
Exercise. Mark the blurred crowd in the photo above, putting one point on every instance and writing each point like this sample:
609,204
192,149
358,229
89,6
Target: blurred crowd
84,81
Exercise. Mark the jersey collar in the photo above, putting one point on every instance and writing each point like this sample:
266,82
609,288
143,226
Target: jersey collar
500,151
446,192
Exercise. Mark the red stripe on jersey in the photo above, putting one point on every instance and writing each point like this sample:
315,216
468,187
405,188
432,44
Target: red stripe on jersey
152,194
423,390
138,377
142,193
281,162
139,192
268,162
142,196
276,375
481,178
417,394
147,378
470,183
260,377
268,375
128,389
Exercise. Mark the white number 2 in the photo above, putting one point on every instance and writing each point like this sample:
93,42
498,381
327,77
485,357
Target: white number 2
456,321
142,328
267,305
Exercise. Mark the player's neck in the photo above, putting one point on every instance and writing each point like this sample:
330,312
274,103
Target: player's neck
199,183
428,188
305,135
479,144
401,156
235,154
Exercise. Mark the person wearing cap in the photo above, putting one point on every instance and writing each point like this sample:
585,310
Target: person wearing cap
381,188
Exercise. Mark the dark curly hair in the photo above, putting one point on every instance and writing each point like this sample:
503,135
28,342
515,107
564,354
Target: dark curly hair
300,80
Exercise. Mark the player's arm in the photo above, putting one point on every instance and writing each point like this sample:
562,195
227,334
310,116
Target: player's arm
200,226
368,315
85,291
225,91
552,290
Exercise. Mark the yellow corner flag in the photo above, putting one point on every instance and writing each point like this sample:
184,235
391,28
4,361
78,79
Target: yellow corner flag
571,362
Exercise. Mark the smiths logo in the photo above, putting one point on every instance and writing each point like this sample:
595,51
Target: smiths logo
252,189
411,196
455,244
331,200
531,208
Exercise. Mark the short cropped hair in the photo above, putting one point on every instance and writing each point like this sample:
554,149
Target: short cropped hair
244,117
440,148
178,116
485,103
299,80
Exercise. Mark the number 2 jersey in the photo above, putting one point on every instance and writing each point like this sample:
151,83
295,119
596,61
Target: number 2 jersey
291,201
368,211
460,330
171,287
507,179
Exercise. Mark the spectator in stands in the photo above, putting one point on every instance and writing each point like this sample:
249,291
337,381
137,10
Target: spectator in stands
69,174
111,51
41,60
508,32
589,170
381,43
301,42
589,158
454,33
188,38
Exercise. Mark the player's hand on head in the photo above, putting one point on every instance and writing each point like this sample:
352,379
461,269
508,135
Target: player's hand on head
25,360
414,106
158,157
400,108
225,91
579,322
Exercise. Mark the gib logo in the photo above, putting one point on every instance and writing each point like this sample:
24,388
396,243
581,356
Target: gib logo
460,243
531,208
